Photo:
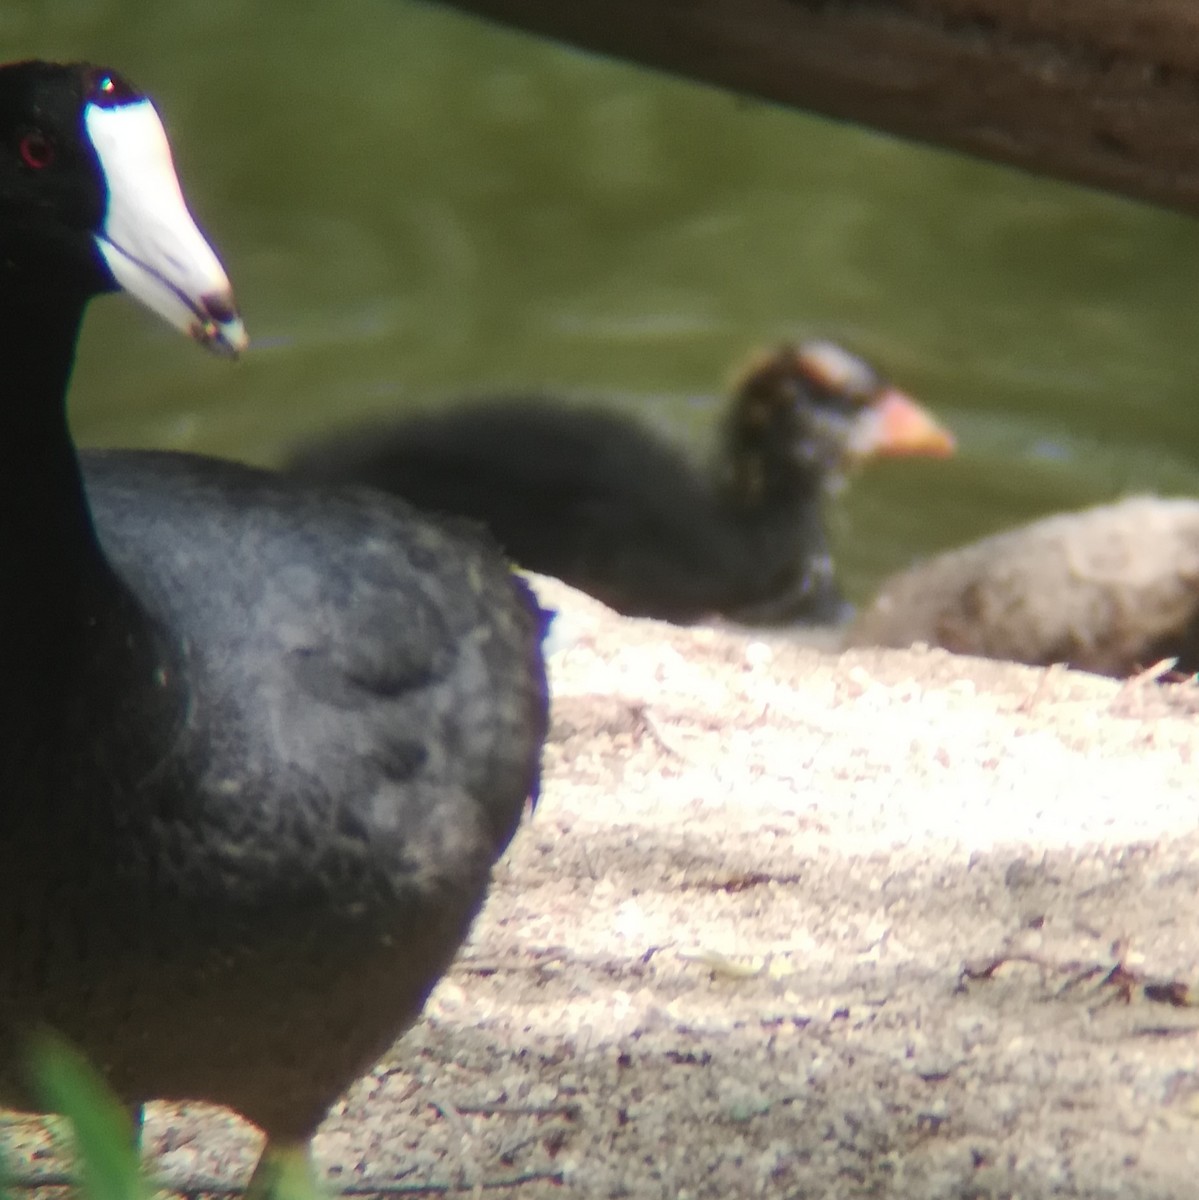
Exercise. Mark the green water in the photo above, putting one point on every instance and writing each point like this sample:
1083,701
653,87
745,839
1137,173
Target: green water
413,204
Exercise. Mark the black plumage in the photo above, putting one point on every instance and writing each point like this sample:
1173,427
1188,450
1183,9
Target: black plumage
599,500
260,742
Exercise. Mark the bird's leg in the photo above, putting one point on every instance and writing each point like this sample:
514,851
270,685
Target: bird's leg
137,1125
284,1172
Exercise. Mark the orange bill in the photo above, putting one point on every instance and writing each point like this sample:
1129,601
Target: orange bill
895,426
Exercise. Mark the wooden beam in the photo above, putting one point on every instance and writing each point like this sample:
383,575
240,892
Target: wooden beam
1102,92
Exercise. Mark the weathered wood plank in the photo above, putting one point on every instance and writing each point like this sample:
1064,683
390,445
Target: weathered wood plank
1103,92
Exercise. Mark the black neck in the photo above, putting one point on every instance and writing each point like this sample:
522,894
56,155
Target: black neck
757,478
46,536
54,583
775,505
81,664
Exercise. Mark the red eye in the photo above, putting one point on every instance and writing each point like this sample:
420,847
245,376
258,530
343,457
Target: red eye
37,151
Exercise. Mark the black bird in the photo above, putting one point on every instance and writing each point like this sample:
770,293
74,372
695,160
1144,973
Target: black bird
600,501
260,741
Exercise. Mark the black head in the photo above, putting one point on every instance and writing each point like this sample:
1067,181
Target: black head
821,407
52,194
89,202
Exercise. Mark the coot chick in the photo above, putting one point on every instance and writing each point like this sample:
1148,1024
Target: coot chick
601,502
260,741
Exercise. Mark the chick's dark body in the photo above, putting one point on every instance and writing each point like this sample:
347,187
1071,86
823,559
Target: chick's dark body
594,498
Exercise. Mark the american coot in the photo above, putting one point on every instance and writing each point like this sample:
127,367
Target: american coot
260,742
600,501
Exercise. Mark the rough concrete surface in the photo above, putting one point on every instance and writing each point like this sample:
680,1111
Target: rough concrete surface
1109,589
787,923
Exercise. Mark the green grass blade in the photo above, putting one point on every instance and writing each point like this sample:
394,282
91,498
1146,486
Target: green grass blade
66,1083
